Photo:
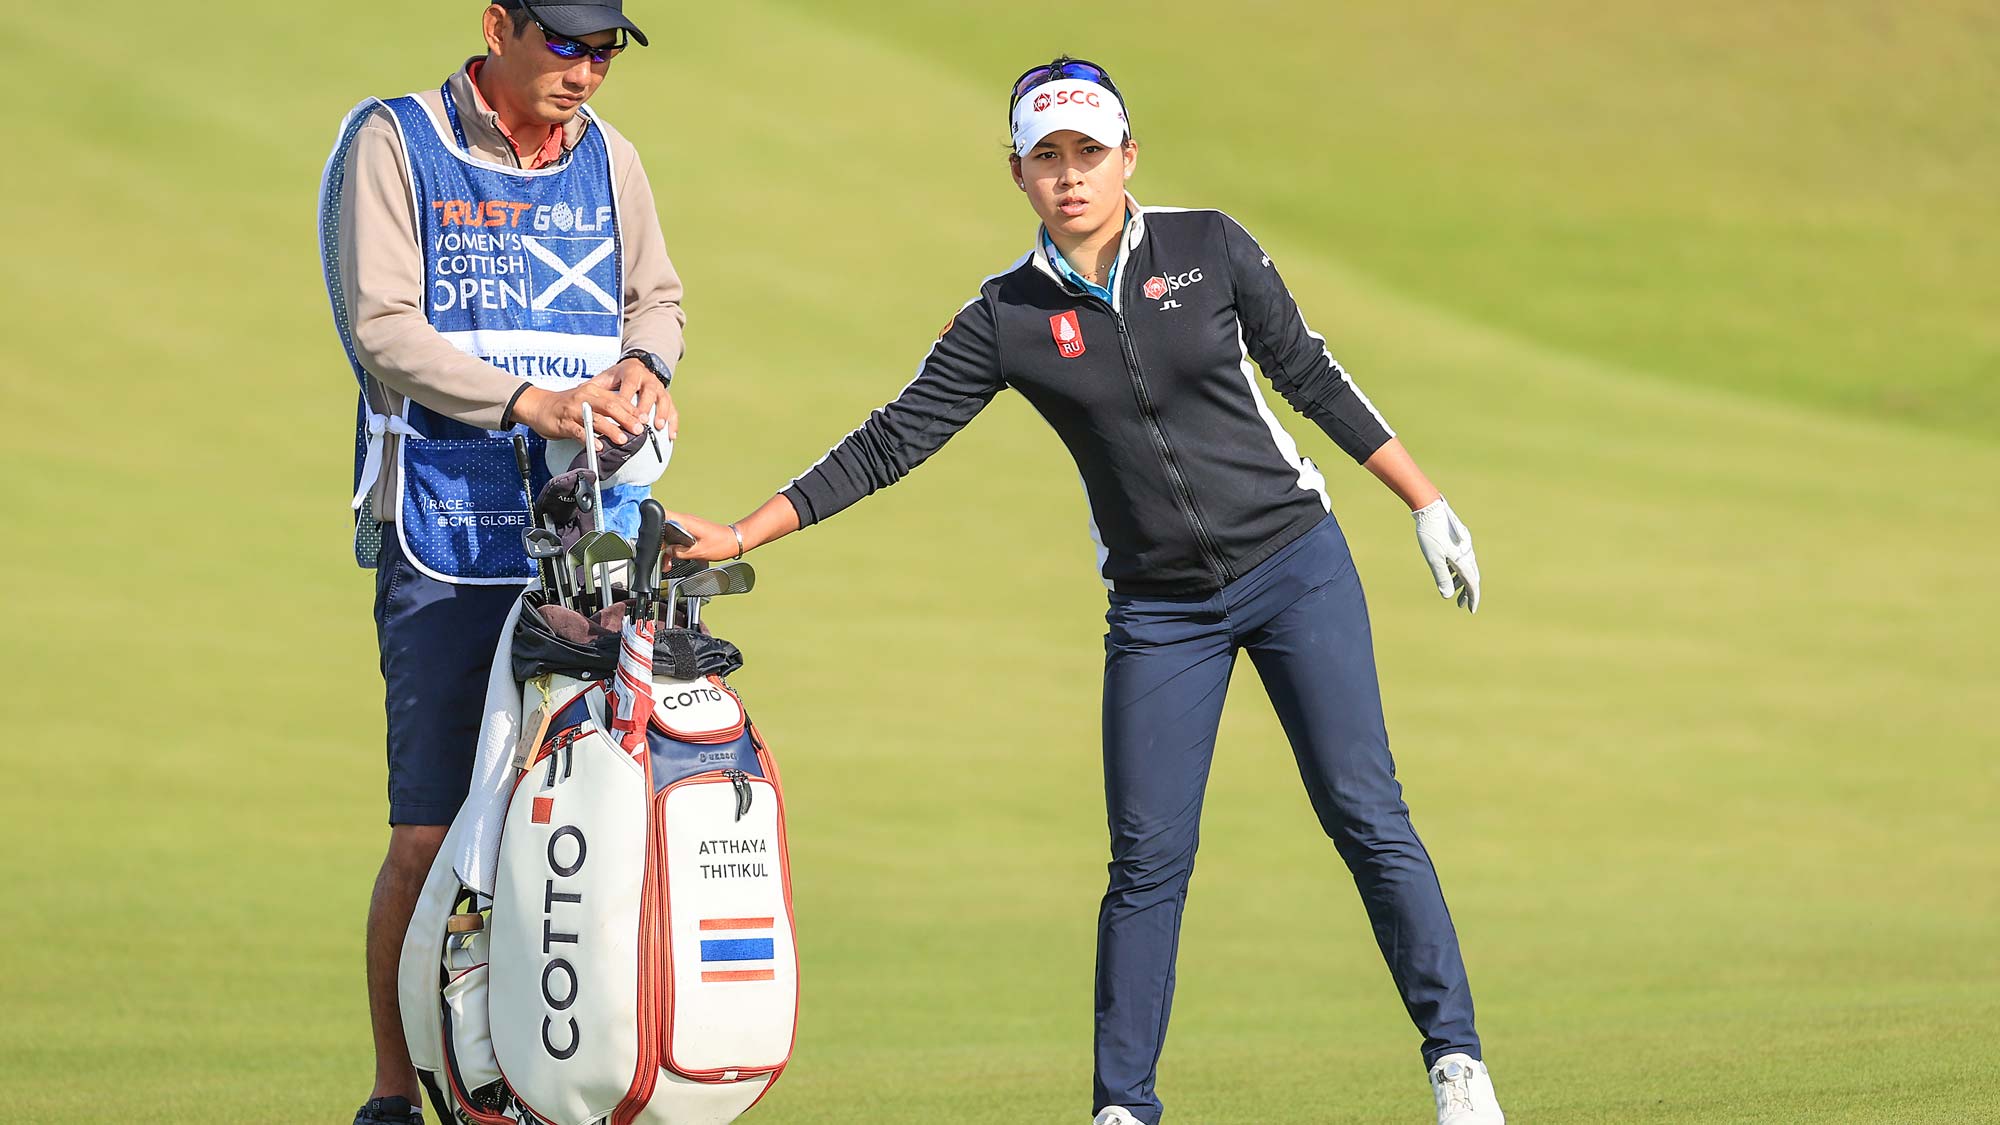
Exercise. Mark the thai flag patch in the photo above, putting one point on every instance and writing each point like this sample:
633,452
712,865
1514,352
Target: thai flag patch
739,949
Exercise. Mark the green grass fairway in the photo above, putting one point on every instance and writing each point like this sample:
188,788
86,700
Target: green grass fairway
1691,311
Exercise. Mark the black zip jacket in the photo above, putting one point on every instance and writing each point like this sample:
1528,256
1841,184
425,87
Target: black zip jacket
1191,481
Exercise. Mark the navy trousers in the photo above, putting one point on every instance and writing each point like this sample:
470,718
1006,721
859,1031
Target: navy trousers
1166,669
437,640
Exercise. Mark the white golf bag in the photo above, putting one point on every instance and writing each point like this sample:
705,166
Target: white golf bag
607,939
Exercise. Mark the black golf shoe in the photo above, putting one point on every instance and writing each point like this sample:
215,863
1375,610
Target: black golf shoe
389,1111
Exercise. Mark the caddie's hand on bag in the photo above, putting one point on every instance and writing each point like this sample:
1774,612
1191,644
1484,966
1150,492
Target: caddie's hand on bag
1447,547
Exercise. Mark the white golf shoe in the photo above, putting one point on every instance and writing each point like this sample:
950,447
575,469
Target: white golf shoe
1464,1092
1115,1115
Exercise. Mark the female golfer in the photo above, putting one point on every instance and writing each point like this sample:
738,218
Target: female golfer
1132,330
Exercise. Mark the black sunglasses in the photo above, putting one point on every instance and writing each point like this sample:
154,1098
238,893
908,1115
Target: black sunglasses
1056,71
563,47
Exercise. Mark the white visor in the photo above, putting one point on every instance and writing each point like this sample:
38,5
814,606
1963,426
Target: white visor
1071,103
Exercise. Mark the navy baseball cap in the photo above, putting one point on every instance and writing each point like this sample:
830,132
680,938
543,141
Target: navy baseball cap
579,19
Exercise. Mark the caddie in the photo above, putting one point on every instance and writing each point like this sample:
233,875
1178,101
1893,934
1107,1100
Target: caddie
494,264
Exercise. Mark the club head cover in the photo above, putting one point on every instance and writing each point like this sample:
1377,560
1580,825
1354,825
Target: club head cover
611,618
569,625
641,459
564,504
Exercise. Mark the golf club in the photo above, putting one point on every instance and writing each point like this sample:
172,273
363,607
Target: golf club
733,577
528,493
527,481
545,548
593,553
680,569
597,494
646,568
590,462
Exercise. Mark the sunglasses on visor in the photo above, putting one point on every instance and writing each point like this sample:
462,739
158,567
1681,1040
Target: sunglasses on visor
563,47
1056,72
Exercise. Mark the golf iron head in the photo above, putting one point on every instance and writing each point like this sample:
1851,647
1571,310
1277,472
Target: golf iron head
734,577
593,553
677,570
681,568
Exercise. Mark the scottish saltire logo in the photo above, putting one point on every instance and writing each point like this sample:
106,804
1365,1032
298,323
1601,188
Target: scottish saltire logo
632,688
572,275
741,949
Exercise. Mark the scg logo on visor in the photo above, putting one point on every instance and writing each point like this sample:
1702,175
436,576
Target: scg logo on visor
1067,97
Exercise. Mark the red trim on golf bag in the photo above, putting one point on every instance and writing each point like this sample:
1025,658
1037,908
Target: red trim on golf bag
460,1095
665,1045
770,764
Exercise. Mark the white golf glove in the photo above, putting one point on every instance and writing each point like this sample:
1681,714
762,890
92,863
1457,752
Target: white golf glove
1447,547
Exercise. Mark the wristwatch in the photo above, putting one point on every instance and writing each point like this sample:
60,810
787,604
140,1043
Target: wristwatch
653,363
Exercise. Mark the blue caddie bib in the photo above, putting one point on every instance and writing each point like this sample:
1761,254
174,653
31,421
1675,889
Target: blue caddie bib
522,269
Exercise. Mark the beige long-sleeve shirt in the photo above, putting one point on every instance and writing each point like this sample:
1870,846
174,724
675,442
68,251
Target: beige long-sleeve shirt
381,250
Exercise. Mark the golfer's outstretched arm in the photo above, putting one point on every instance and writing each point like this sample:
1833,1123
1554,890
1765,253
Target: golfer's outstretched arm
958,378
774,519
